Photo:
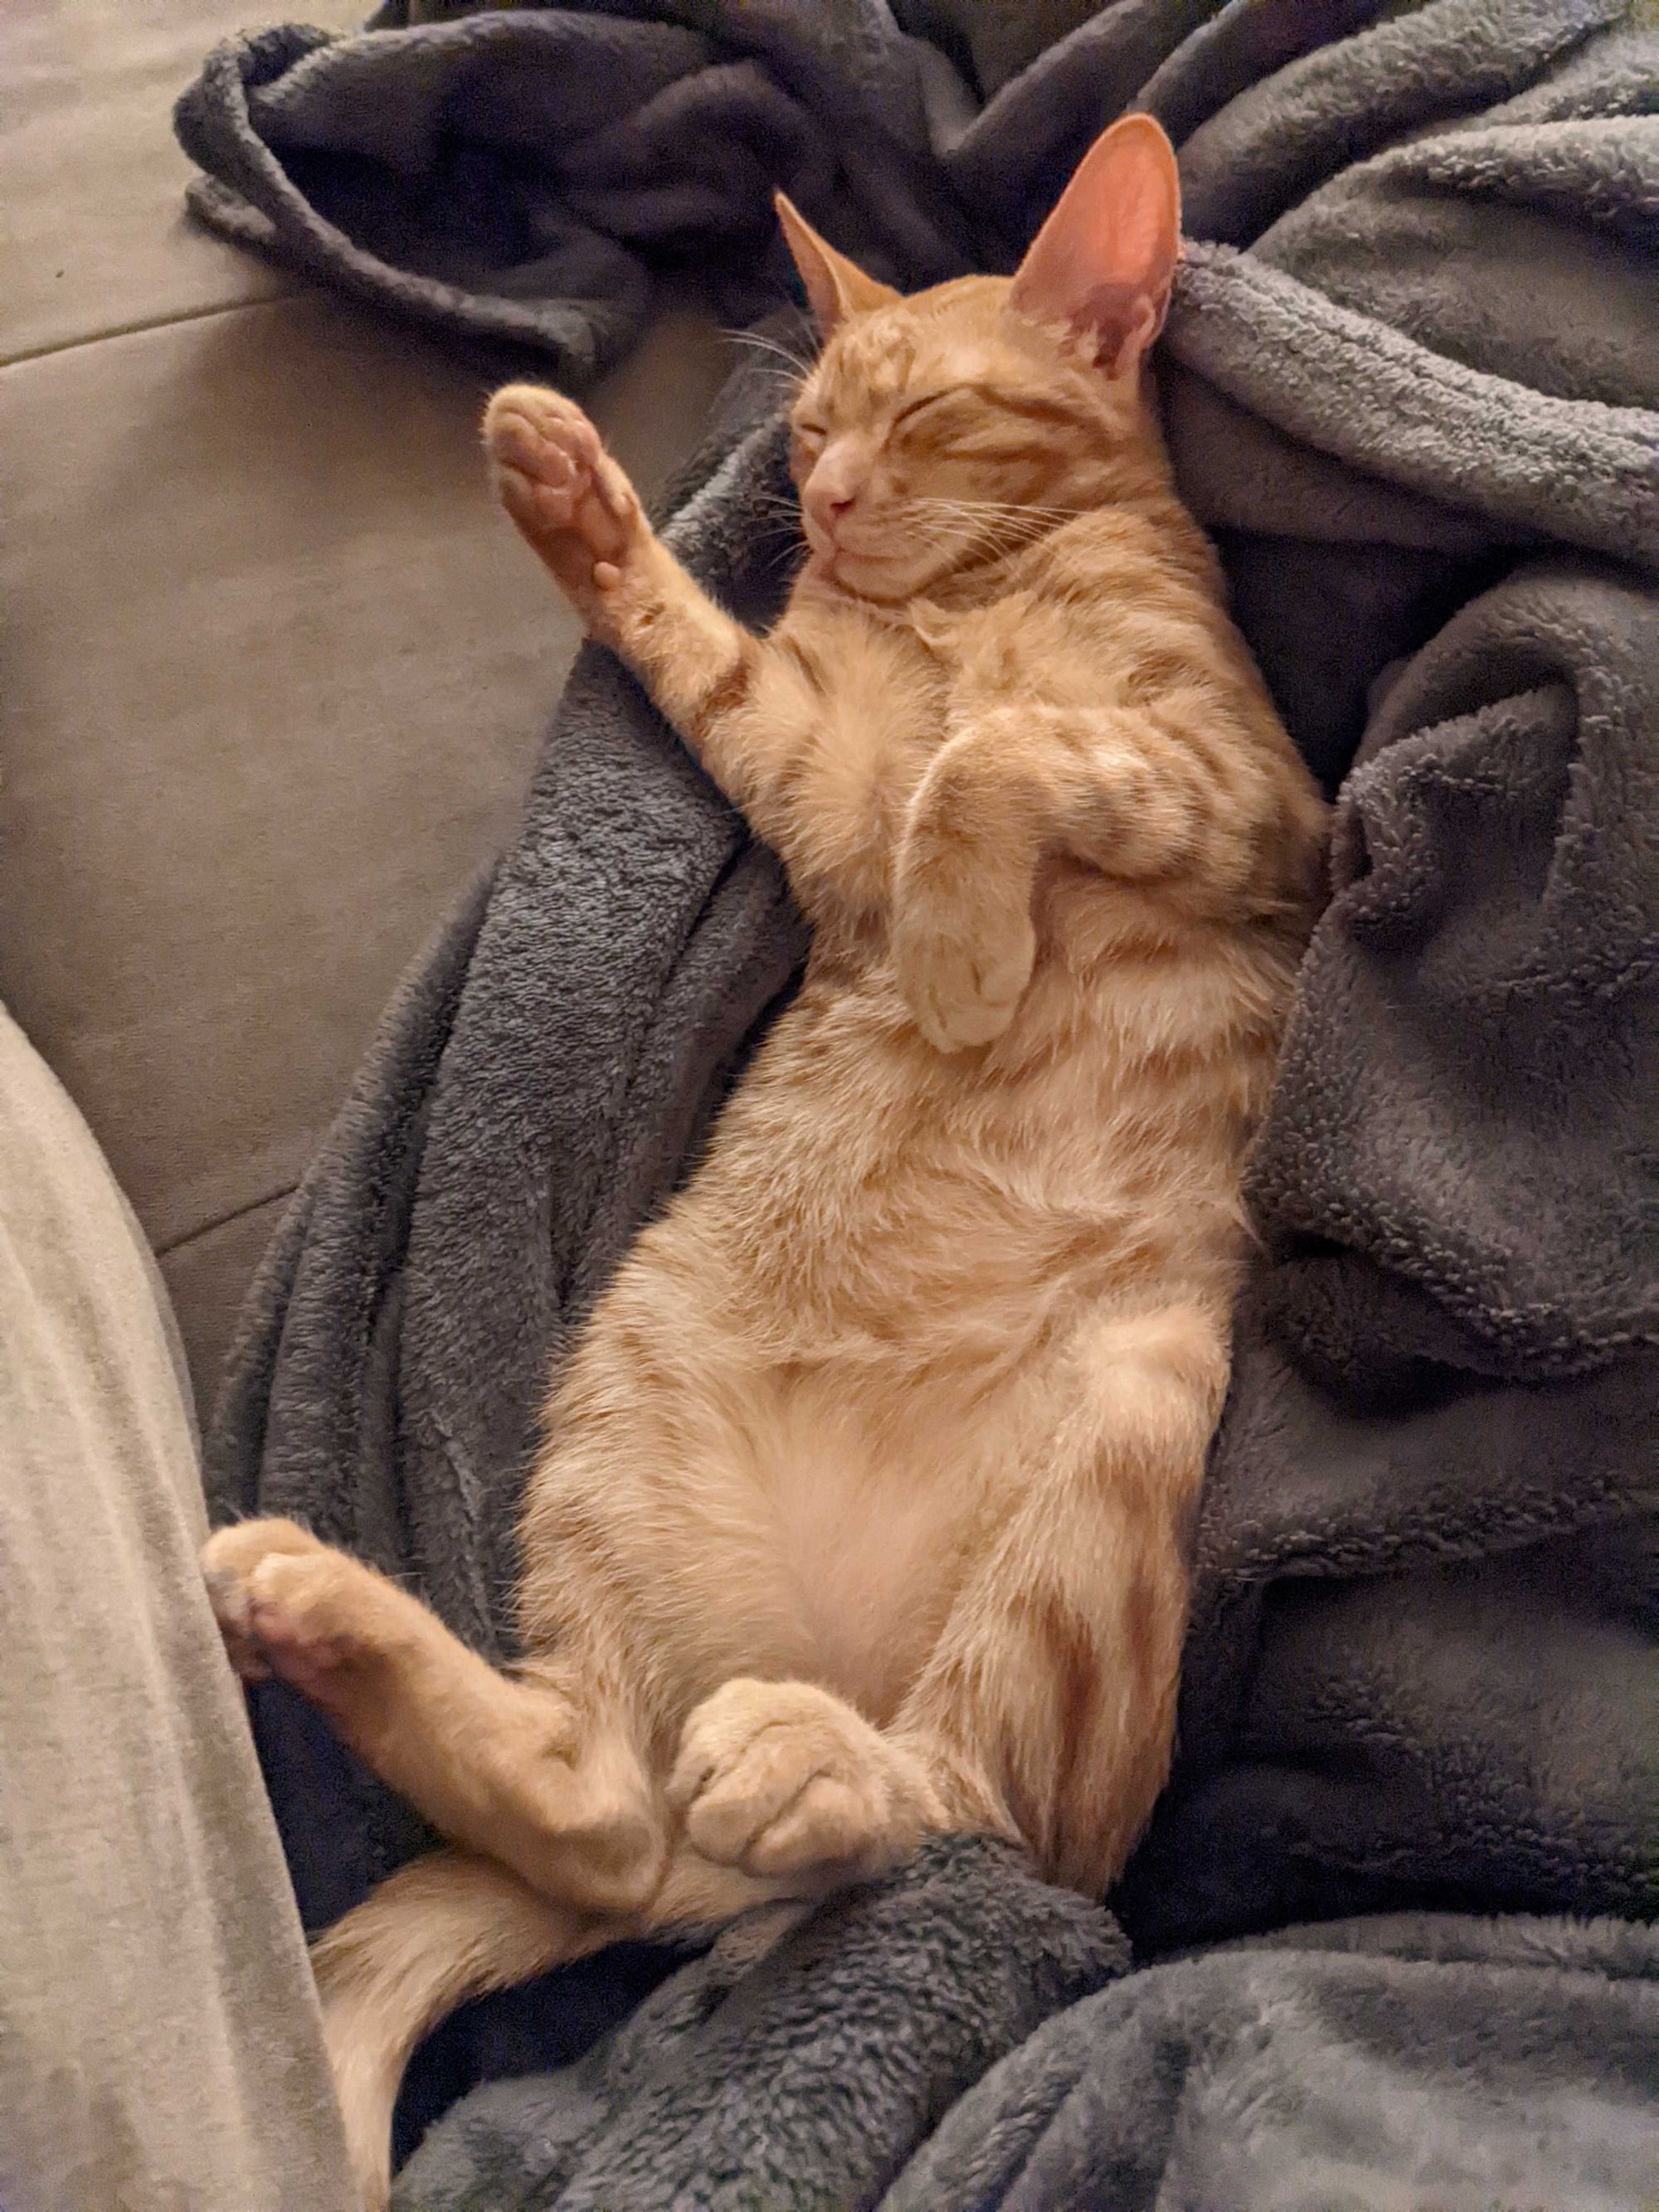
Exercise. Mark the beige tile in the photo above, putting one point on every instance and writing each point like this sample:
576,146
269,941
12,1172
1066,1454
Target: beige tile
92,234
275,673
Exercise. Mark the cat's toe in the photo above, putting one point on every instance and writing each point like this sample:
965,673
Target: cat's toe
835,1821
554,476
229,1560
538,431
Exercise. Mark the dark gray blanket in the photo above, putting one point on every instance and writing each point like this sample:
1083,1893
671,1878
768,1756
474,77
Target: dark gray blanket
1407,2063
1360,2066
1411,381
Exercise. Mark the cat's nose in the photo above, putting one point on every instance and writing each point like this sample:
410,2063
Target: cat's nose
832,490
829,504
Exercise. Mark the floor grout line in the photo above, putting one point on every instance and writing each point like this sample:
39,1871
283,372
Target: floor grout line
189,1237
156,323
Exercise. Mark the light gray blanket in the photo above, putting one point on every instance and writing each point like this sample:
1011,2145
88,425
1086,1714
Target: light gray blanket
1411,381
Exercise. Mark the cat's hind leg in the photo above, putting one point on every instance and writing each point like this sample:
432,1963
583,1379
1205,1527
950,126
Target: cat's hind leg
1046,1711
1056,1673
544,1772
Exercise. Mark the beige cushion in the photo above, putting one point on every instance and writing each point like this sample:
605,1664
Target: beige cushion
276,670
161,2045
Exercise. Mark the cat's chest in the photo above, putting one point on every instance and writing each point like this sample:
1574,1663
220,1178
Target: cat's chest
898,688
883,701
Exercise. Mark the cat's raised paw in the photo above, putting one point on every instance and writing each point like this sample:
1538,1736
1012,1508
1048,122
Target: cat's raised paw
559,485
779,1778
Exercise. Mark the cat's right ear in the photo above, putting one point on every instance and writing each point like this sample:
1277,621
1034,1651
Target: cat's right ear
835,287
1102,266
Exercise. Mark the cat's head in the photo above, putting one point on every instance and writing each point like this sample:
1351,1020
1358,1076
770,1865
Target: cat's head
937,431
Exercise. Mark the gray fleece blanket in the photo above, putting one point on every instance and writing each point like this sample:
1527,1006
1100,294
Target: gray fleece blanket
1438,2062
1412,384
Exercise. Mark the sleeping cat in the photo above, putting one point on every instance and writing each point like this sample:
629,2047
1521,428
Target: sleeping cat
862,1508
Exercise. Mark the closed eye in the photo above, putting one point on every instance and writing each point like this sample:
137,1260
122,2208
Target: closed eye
981,401
929,399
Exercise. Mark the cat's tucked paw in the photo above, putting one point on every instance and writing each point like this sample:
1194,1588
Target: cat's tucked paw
963,969
779,1778
559,485
289,1605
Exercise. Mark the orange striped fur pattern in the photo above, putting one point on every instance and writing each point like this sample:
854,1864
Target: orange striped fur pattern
863,1503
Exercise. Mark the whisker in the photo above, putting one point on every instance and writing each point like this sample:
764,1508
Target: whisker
1025,509
993,515
802,366
995,507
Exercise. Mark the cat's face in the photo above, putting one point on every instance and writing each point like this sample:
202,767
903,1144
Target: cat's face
939,432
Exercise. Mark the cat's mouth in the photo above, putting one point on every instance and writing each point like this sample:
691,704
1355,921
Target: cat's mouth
835,545
864,575
854,567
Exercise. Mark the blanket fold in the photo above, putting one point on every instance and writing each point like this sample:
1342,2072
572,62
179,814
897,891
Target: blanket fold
1411,382
1402,2061
792,2070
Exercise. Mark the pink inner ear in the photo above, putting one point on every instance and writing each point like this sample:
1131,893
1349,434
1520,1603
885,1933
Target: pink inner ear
1103,264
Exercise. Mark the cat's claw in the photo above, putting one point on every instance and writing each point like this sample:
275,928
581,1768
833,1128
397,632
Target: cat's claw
782,1778
557,481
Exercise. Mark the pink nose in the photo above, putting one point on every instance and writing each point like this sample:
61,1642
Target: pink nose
832,490
828,506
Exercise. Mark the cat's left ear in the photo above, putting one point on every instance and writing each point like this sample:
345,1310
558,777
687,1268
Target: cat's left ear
835,287
1102,266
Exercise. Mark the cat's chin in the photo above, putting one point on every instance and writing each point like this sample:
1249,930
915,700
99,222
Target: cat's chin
859,576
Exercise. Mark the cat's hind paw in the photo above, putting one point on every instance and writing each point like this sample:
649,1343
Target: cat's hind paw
781,1777
289,1605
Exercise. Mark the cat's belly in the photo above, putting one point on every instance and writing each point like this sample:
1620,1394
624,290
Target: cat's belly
744,1517
870,1201
861,1536
807,1399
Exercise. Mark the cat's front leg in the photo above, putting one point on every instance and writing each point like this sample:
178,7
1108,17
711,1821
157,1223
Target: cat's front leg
744,710
575,506
962,940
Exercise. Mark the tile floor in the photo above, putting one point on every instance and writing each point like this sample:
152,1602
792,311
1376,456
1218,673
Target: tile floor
273,671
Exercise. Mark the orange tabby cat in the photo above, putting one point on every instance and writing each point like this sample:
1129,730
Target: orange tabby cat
862,1506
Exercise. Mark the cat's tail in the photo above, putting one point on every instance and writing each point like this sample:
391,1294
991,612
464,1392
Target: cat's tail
452,1926
445,1928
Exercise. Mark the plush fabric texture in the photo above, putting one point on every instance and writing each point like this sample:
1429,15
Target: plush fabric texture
1443,2063
1410,378
1413,2060
795,2071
